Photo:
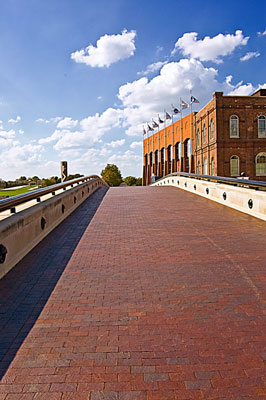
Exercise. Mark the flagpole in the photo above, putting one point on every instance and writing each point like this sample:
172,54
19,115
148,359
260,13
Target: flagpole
164,142
181,136
147,172
143,154
172,140
152,151
157,172
191,132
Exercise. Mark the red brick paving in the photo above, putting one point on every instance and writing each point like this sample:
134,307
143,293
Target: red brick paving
163,298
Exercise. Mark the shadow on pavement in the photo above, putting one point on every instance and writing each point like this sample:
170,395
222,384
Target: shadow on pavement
25,290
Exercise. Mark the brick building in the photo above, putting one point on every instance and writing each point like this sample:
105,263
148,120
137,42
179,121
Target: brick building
227,137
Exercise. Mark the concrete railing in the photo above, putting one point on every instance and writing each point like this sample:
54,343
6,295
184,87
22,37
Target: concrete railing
241,194
22,231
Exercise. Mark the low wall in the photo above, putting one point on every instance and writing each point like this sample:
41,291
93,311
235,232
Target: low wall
249,201
23,231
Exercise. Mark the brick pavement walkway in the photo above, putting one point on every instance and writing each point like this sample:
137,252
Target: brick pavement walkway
163,298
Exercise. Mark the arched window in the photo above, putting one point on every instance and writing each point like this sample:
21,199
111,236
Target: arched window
198,168
198,138
162,160
212,166
261,164
169,158
156,161
146,159
179,150
151,158
187,153
188,148
169,149
234,166
176,151
211,129
234,126
204,133
205,172
262,126
156,157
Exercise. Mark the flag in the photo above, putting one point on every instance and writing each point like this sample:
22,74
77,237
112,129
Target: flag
167,116
150,129
193,100
175,110
183,104
154,124
160,120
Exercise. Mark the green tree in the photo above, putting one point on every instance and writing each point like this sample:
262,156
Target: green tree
48,182
35,178
130,180
138,181
75,176
56,179
111,175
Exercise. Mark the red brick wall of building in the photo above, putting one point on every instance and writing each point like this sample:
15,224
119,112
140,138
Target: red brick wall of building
217,149
248,144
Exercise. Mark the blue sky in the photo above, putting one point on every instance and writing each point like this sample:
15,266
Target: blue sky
79,78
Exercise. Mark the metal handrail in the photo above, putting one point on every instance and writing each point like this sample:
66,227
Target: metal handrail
252,184
9,203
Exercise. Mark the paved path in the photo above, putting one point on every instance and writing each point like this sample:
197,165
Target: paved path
163,298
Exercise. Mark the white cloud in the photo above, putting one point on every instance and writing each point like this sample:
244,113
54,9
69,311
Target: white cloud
262,33
8,134
128,161
22,154
14,121
4,143
151,68
47,121
209,49
159,49
250,55
135,145
116,143
20,131
91,130
95,159
18,159
92,161
109,49
99,97
57,134
67,123
54,120
242,90
144,99
239,89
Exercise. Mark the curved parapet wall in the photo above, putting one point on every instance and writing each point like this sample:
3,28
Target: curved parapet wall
24,230
242,195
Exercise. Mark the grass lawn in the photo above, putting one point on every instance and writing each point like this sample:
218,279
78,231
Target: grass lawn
15,191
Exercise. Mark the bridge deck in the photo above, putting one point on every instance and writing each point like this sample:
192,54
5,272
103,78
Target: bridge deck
163,298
